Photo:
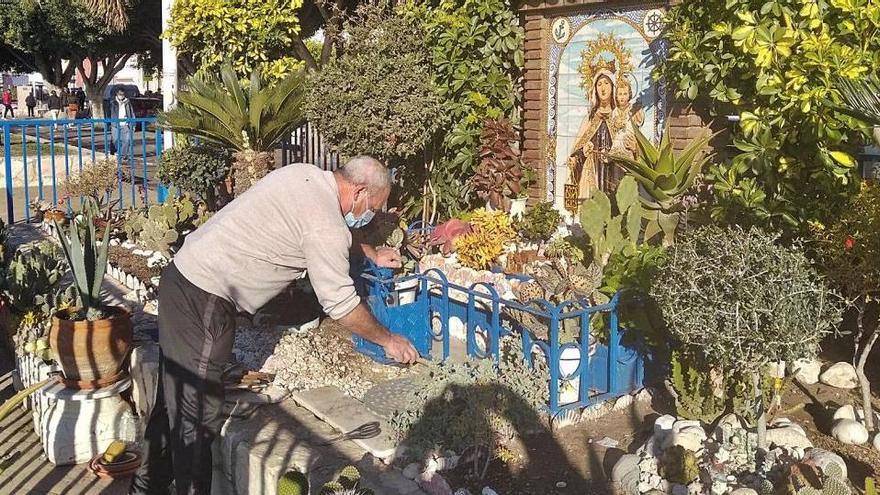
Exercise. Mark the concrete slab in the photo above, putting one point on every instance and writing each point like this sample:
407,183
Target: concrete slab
346,414
252,454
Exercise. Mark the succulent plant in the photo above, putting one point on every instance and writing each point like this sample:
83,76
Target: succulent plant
444,234
679,465
88,262
665,178
161,227
345,483
499,176
611,233
478,250
293,483
539,222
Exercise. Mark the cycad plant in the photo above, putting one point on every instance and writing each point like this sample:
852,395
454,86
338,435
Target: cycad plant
861,100
87,260
249,119
665,178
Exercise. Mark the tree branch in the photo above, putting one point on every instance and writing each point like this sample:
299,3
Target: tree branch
304,54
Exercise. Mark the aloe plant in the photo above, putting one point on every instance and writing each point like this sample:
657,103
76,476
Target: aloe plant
238,116
87,260
665,178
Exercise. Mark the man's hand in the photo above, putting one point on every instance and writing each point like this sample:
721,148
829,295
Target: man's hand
400,349
387,257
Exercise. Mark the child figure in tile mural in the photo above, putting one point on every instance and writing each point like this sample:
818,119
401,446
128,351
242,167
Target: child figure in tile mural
608,128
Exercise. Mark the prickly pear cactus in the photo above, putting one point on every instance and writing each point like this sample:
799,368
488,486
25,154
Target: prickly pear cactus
611,232
293,483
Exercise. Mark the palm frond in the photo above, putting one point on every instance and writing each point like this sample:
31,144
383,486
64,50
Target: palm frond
861,99
113,12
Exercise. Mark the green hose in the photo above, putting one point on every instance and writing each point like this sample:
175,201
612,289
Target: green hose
18,398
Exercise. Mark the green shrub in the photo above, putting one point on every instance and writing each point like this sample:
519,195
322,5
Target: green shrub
377,98
197,169
540,222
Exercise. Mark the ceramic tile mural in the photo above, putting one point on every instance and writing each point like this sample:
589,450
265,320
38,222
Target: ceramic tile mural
600,88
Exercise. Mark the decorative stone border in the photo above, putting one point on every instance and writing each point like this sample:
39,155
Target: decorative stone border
144,291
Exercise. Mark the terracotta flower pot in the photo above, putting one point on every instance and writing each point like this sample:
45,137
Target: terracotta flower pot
56,215
91,353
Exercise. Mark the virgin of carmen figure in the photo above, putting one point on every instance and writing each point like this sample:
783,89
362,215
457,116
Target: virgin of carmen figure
588,162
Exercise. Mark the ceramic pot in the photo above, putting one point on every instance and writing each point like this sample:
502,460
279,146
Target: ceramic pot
407,291
91,353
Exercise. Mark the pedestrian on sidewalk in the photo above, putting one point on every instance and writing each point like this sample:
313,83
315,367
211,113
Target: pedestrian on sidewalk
120,108
54,105
232,264
31,102
7,103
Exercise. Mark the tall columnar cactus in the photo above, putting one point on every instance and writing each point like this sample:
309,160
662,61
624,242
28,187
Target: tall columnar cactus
87,260
612,232
665,178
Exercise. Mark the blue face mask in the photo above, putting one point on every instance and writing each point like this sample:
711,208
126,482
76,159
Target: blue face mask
358,222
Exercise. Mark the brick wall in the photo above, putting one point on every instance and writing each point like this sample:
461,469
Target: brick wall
534,100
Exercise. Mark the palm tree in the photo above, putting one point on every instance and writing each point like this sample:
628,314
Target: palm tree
249,119
113,12
861,100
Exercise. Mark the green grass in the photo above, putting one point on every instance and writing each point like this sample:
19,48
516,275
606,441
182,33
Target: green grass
45,149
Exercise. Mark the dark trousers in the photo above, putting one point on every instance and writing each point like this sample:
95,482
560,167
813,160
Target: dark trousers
196,333
7,110
30,111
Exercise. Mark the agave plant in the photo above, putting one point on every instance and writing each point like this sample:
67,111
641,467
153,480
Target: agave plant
249,119
87,260
665,178
861,100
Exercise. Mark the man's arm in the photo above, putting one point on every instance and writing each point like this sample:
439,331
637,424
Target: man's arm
361,321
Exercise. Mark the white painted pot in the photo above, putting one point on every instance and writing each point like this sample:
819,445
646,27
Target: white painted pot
568,391
569,359
518,207
407,291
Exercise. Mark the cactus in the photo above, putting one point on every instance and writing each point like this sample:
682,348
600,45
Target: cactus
833,484
767,487
160,229
610,234
679,465
345,483
293,483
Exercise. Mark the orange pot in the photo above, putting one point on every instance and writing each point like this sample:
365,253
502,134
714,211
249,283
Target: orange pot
92,354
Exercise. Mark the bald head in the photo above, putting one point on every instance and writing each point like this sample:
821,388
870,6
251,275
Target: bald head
367,172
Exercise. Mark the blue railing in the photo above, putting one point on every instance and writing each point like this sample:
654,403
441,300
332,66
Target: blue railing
63,147
602,370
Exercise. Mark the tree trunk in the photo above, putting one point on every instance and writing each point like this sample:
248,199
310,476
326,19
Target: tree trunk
96,100
761,414
863,380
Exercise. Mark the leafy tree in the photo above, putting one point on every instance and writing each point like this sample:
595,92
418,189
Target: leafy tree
250,33
378,97
58,36
774,64
476,61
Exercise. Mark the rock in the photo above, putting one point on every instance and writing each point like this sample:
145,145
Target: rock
788,436
877,442
462,491
447,463
664,424
434,484
845,412
718,487
685,423
488,491
807,370
678,489
411,471
644,395
623,402
850,431
561,484
691,438
823,458
628,463
840,375
744,491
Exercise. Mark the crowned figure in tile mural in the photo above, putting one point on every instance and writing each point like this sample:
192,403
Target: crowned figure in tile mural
607,130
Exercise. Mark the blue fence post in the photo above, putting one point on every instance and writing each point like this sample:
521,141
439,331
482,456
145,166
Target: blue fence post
161,190
7,148
613,349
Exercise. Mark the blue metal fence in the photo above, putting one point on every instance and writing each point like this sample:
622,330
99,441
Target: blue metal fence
602,370
63,147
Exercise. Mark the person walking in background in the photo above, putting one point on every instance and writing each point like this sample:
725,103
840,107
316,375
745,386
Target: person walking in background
31,102
54,105
7,103
121,109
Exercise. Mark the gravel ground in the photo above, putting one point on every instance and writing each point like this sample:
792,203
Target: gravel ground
314,359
